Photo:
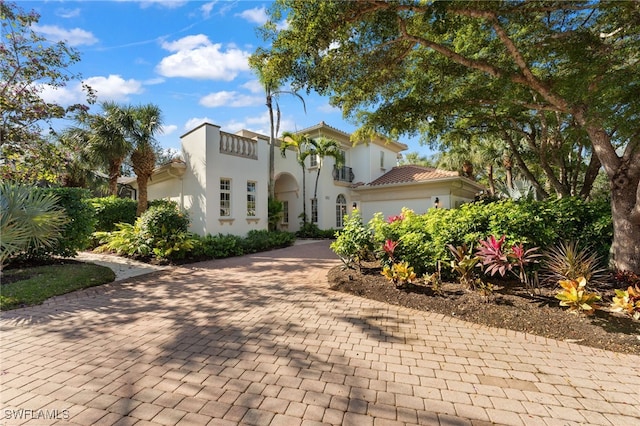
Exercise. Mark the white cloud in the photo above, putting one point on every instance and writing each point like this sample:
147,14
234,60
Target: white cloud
259,124
254,86
168,129
68,13
196,57
114,87
187,43
257,15
229,99
64,96
73,37
111,88
194,122
207,8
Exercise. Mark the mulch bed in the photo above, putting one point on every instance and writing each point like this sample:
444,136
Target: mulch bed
510,306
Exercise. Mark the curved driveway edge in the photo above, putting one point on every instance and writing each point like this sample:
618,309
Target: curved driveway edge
261,340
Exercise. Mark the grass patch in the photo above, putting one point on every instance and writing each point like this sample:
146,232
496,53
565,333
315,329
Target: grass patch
31,286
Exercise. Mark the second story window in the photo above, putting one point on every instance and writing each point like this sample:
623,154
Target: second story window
225,197
313,160
251,198
382,159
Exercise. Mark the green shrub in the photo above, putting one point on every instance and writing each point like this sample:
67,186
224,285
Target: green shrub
112,210
261,240
161,202
76,234
217,247
163,221
422,240
354,243
311,230
161,231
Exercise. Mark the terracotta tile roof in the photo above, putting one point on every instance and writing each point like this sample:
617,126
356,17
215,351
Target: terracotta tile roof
411,173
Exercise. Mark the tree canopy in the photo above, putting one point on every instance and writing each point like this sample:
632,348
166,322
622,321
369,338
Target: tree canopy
29,64
564,73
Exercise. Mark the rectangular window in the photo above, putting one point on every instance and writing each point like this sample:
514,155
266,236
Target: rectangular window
313,160
382,159
341,211
314,210
251,198
225,197
285,212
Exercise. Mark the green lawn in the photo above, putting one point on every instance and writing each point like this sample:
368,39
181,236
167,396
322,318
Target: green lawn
33,285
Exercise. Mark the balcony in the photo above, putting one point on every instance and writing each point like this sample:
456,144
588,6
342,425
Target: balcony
343,174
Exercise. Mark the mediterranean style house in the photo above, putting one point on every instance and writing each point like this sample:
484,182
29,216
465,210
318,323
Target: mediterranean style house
223,182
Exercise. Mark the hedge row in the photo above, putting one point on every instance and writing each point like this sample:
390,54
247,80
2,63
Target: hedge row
423,239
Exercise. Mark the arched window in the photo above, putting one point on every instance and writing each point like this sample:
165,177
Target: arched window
341,210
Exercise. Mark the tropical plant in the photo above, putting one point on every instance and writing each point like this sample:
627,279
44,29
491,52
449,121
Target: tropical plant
492,256
301,144
399,273
495,259
464,265
145,122
28,218
627,301
574,294
275,211
322,148
569,261
271,81
521,258
108,141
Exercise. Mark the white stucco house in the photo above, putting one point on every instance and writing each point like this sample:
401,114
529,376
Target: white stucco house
223,182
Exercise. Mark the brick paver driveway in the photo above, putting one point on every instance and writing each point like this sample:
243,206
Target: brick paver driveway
261,340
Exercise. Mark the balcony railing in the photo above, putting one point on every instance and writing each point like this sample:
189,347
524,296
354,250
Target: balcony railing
239,146
343,174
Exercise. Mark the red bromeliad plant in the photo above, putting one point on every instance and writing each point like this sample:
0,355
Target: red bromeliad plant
494,259
389,247
521,258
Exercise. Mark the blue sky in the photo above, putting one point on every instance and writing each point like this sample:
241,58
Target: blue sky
188,57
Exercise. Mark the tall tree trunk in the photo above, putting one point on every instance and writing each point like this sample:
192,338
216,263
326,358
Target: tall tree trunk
492,183
272,150
114,173
143,199
304,195
590,176
624,178
144,161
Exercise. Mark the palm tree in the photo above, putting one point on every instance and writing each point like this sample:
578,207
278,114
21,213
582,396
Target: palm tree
324,147
271,83
145,123
300,144
28,218
108,142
